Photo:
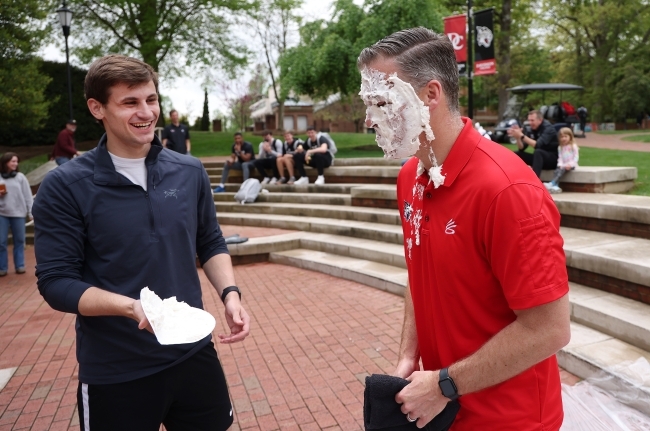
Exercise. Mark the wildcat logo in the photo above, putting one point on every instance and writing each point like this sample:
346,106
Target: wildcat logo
171,193
449,228
484,36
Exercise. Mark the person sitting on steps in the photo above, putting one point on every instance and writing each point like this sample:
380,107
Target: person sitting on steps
315,153
270,149
286,161
241,159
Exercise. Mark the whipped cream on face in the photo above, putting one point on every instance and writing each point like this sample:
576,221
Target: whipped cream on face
396,113
175,322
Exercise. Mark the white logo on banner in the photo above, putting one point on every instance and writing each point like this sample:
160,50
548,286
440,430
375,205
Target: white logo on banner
456,40
484,36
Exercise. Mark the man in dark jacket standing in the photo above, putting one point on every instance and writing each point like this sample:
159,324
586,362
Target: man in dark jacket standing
125,216
176,136
64,148
543,138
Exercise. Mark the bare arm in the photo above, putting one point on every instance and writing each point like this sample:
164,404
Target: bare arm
188,145
99,302
409,351
536,334
219,271
164,142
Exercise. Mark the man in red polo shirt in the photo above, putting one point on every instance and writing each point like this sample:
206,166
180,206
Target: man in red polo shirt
487,306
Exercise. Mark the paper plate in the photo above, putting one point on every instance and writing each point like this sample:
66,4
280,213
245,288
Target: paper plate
175,322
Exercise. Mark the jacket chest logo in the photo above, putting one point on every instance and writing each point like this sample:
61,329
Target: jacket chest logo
171,193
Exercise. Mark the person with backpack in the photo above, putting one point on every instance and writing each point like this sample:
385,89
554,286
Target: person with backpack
270,149
315,153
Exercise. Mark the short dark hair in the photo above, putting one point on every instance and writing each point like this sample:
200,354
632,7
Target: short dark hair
311,128
238,134
115,69
289,132
6,158
537,113
172,111
422,55
267,132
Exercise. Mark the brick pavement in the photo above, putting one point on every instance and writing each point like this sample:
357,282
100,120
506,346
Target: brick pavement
313,340
613,142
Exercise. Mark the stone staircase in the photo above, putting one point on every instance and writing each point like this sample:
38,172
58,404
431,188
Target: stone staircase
353,231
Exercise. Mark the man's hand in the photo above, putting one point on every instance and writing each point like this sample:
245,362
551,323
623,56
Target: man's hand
299,149
267,147
515,132
237,318
422,398
140,317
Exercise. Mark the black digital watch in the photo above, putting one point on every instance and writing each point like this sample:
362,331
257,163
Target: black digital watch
447,385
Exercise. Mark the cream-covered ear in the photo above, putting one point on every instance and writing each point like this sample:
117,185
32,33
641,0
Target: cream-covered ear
96,108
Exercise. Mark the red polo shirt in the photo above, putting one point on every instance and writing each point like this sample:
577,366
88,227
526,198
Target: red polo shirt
483,244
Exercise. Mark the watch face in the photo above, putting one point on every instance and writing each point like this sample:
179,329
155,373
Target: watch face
447,388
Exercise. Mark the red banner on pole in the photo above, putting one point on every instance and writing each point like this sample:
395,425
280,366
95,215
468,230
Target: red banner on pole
456,31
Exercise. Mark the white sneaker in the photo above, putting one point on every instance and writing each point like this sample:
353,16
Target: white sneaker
265,180
555,190
320,180
302,181
548,185
273,181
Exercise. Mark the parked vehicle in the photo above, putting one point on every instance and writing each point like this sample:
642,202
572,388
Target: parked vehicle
561,113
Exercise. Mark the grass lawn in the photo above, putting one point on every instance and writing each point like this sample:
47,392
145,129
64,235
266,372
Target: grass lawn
622,132
638,138
219,143
29,165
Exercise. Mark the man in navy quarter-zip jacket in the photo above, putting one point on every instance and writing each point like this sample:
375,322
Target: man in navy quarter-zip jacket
126,215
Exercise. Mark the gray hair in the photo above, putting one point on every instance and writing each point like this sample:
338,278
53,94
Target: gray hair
422,55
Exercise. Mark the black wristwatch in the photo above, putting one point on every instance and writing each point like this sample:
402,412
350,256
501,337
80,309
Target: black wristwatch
447,385
229,289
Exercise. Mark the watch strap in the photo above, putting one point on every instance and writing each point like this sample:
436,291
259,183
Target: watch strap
229,289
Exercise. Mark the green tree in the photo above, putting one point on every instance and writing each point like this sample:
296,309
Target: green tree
205,118
594,40
160,32
22,84
275,20
325,61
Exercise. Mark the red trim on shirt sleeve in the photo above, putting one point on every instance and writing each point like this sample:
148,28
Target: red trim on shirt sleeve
524,246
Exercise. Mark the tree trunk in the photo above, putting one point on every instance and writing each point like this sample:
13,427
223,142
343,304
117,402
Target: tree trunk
280,125
505,24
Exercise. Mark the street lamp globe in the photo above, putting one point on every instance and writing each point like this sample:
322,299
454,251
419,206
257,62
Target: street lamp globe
65,18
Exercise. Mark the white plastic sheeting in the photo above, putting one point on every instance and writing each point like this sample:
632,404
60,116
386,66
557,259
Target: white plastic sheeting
616,400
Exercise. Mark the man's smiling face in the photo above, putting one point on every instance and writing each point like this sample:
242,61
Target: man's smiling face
130,114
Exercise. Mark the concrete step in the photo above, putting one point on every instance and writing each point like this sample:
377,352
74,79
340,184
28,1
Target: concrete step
375,231
378,275
335,174
613,256
293,188
295,198
612,213
618,317
338,212
592,352
353,161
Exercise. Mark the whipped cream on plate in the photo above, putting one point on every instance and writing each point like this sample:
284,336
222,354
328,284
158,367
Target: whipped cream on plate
175,322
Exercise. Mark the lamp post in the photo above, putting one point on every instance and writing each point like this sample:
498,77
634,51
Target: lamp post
65,18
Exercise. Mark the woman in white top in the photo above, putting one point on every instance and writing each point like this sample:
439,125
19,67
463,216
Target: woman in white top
15,205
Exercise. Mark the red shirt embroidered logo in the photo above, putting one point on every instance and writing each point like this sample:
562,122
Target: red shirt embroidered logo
449,228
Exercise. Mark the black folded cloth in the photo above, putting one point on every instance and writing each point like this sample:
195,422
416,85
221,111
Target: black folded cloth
382,412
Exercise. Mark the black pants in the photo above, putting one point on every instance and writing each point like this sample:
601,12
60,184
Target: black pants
539,159
270,163
190,396
320,161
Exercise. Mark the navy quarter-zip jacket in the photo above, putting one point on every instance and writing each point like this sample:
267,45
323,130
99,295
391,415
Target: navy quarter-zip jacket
94,227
